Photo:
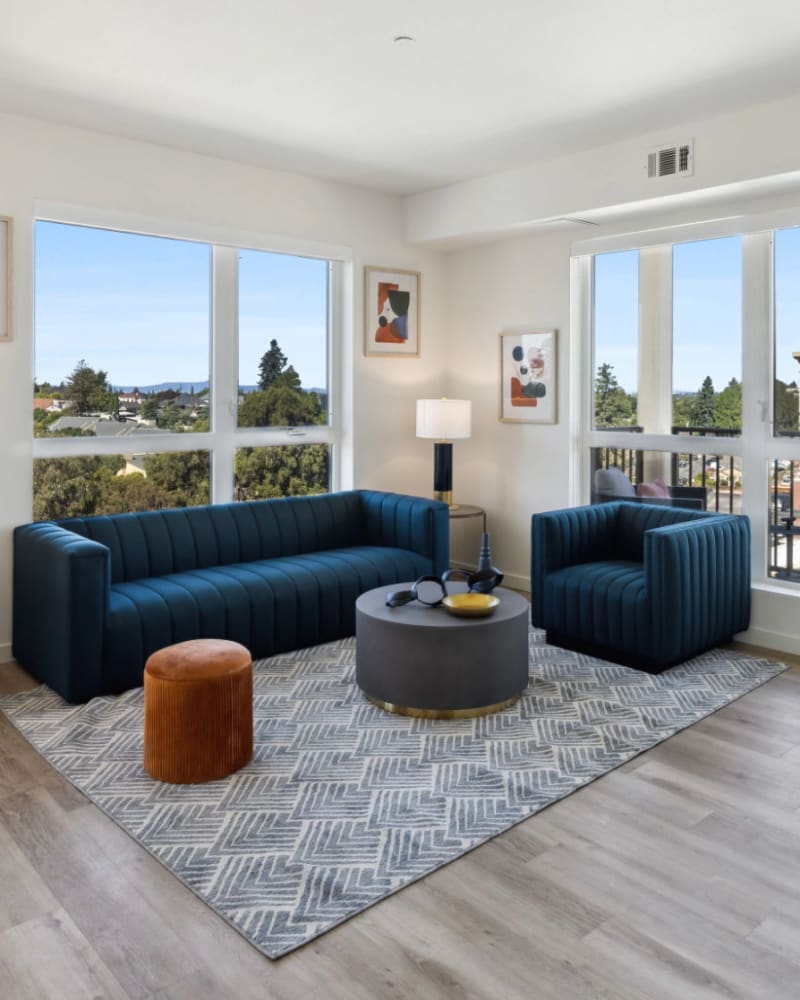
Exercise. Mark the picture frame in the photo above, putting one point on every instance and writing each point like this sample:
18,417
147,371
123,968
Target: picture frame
5,277
528,377
392,312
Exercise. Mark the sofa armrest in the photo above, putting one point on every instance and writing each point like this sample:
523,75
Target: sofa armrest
697,575
561,538
61,596
407,522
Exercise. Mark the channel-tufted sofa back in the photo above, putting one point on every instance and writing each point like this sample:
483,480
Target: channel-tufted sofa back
158,542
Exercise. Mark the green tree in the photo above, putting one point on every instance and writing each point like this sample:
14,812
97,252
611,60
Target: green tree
728,406
149,410
288,378
72,487
702,411
89,391
613,407
131,493
281,470
42,421
271,365
181,476
787,403
280,406
682,409
170,417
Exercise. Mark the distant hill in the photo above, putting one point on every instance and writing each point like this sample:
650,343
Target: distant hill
196,387
162,387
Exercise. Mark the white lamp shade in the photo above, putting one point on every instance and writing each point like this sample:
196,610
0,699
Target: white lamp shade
444,419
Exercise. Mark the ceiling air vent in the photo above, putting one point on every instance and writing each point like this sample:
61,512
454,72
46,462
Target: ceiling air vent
669,161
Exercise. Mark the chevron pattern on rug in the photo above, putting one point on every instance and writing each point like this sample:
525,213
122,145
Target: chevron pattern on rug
344,804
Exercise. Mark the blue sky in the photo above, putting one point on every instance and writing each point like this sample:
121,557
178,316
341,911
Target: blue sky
787,303
706,311
138,308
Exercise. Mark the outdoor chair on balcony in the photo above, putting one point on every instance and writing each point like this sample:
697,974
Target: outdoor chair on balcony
645,586
613,484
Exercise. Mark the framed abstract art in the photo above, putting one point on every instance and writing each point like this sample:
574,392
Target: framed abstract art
391,311
528,377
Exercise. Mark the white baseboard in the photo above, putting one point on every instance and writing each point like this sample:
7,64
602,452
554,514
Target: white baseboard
779,642
514,582
5,652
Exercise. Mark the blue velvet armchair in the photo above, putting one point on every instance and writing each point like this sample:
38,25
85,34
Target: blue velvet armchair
646,586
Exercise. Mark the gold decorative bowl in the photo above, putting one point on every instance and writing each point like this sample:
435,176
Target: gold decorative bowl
471,605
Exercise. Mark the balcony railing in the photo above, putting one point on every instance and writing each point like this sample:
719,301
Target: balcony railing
721,477
784,511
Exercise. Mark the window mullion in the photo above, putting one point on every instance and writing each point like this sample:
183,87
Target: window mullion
654,403
757,367
224,338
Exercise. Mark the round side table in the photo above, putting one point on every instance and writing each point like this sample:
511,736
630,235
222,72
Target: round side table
464,510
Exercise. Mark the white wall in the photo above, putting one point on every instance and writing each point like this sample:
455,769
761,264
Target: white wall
469,296
746,163
41,162
513,469
734,151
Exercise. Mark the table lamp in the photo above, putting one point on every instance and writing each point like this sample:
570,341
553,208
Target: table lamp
445,420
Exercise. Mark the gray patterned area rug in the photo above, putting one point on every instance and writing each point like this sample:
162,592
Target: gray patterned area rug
344,804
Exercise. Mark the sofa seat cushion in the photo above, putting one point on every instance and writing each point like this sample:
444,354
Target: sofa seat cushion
601,603
269,605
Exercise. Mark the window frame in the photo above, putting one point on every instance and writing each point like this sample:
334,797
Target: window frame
757,446
224,436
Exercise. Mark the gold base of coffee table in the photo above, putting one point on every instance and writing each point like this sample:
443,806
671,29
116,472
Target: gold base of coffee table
443,713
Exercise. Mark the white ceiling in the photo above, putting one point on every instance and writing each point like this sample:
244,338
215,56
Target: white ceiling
319,86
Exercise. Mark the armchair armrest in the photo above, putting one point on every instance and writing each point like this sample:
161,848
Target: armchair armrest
562,538
415,523
689,497
61,597
693,497
697,576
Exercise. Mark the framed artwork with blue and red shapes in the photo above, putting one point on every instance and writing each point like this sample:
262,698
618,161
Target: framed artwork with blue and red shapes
528,377
391,311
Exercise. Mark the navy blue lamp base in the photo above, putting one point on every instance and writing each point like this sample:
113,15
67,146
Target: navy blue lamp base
443,472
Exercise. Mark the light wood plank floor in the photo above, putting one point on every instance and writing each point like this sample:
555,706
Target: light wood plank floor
675,877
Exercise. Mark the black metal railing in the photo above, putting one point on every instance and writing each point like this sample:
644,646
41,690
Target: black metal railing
721,477
628,460
784,510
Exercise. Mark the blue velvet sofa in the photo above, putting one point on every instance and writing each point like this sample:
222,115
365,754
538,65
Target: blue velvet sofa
646,586
93,597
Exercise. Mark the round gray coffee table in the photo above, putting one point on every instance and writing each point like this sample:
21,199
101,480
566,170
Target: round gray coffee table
425,662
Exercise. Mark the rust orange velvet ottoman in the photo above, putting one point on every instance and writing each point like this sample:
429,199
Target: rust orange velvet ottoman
198,711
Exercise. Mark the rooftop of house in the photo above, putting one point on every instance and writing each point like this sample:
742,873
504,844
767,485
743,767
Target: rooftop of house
102,426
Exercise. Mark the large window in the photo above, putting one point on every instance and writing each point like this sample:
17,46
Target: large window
707,336
283,340
84,485
122,333
718,360
281,470
787,332
616,339
171,372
